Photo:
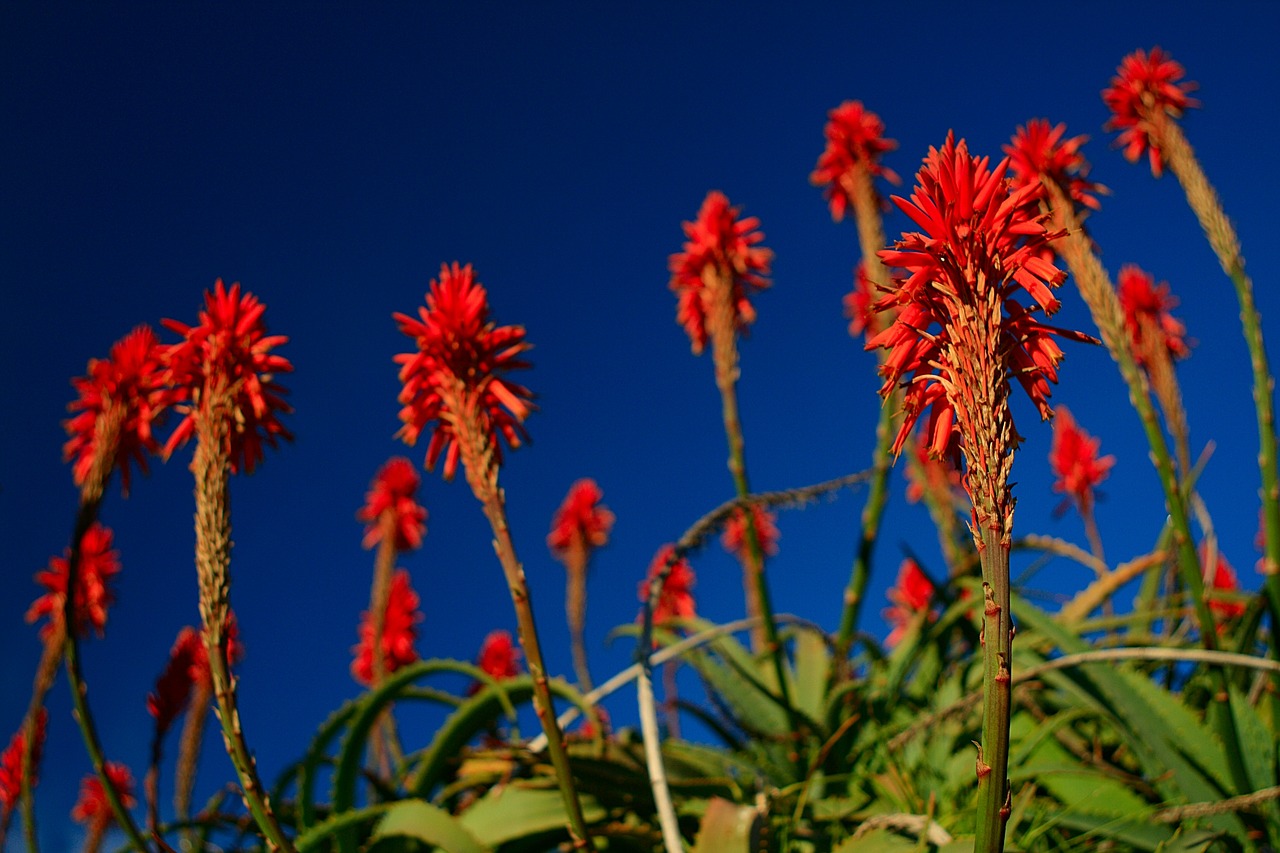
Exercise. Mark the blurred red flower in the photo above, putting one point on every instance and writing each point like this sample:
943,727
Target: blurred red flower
11,762
1075,461
393,489
93,595
499,656
398,634
580,519
855,139
734,538
229,352
458,343
1145,85
859,303
676,598
1221,578
910,596
131,376
723,247
1039,150
1146,310
173,687
92,808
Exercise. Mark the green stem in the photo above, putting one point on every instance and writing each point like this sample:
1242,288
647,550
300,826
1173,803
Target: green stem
997,656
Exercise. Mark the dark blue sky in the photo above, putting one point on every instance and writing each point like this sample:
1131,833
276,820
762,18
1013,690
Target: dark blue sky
331,157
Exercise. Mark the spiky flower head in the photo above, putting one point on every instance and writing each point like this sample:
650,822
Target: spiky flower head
1146,85
131,379
675,601
855,140
581,521
499,657
1147,316
1039,151
11,762
458,372
910,596
961,334
1075,461
228,354
734,537
721,251
98,565
393,491
399,632
92,807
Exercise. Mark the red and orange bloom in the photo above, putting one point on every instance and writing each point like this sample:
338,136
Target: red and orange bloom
1147,316
958,320
11,762
909,597
460,350
92,808
228,352
675,600
581,521
499,658
721,248
393,491
173,687
1075,461
859,304
734,537
132,377
1039,151
1221,577
93,595
855,140
399,632
934,475
1145,85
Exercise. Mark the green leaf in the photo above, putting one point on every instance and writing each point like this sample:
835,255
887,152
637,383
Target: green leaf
812,661
424,822
877,841
725,827
515,811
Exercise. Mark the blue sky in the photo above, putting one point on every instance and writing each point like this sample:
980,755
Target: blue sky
332,158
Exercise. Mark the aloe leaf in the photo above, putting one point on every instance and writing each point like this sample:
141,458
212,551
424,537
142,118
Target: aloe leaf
725,828
424,822
513,812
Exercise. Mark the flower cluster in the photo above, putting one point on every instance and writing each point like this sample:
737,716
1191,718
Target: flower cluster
228,354
132,377
1221,577
499,656
188,667
399,632
1145,85
959,324
460,351
859,303
92,807
1075,461
581,521
1039,151
855,140
675,600
910,596
11,762
98,565
734,538
1147,318
720,251
393,491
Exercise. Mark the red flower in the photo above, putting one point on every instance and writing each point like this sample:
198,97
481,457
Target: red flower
499,656
92,808
676,598
11,762
1039,151
855,139
859,303
132,376
1221,578
1144,87
723,247
1146,310
98,565
392,490
580,519
957,312
1075,461
910,596
173,687
229,351
458,343
734,538
398,633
